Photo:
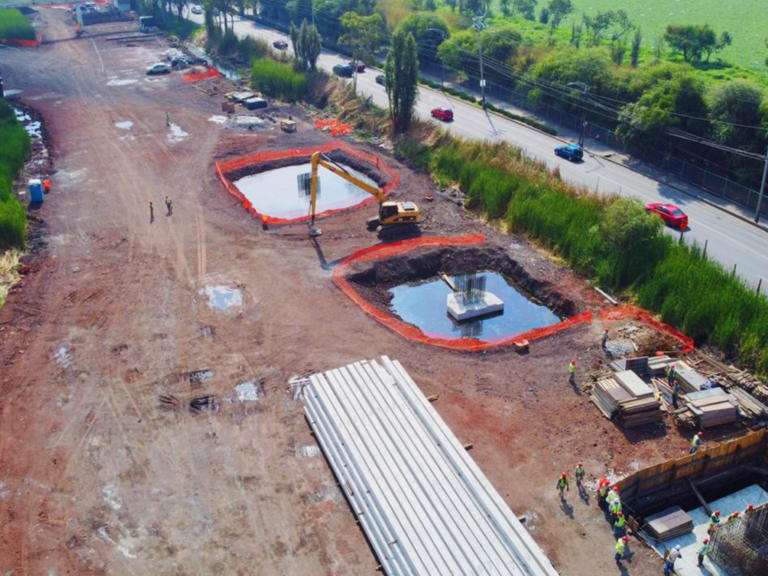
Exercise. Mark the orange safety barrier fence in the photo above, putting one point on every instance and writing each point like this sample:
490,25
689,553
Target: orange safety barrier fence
415,334
225,166
336,126
19,42
636,313
211,73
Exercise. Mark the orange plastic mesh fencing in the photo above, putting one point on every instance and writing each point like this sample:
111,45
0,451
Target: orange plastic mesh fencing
336,127
18,42
415,334
636,313
225,166
211,73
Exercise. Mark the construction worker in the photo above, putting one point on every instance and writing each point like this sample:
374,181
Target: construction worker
619,526
733,517
671,557
620,543
578,472
151,212
612,495
167,119
671,375
749,511
563,484
603,488
605,337
714,520
675,393
169,205
696,442
572,372
616,507
703,551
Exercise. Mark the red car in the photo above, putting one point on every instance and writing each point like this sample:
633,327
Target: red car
670,213
444,114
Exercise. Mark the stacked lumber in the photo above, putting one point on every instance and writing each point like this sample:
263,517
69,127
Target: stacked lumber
670,523
713,407
690,380
657,365
637,365
750,405
627,398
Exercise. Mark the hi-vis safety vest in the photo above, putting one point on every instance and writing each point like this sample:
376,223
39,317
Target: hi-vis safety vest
571,368
620,546
696,442
620,521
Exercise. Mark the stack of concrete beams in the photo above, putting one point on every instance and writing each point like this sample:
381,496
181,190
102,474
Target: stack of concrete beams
670,523
628,399
688,378
713,407
423,503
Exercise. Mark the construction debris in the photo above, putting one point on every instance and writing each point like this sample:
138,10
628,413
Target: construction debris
670,523
425,506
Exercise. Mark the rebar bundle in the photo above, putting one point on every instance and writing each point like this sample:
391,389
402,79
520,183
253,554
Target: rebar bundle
741,546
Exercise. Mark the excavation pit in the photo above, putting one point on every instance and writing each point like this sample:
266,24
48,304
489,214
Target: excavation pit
406,286
267,183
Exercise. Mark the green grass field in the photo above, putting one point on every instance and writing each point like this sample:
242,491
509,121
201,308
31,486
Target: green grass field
746,20
13,25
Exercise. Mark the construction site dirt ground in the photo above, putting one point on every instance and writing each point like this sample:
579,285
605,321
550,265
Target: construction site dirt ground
104,469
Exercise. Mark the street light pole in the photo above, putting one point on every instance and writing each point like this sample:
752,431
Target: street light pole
480,25
585,90
762,190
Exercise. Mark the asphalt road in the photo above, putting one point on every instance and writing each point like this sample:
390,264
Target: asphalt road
730,240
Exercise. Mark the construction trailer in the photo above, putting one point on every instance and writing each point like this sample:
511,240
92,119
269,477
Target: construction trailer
424,505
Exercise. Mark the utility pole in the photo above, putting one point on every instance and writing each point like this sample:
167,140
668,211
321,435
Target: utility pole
479,24
762,190
312,5
585,90
442,65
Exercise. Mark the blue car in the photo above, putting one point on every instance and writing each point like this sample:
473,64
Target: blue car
570,152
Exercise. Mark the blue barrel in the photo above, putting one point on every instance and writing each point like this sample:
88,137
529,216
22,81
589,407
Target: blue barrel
36,190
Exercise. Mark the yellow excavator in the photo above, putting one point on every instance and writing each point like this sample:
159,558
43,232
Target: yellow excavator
392,215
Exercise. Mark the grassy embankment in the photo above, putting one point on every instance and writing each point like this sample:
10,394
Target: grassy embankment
14,26
610,240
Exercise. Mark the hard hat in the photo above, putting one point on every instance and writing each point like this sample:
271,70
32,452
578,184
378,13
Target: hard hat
706,540
582,464
625,539
700,434
564,474
615,488
606,330
750,507
717,512
677,547
735,513
621,514
673,366
573,362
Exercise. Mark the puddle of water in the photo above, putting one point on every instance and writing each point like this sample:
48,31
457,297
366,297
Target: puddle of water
249,391
10,93
222,297
177,134
127,125
424,305
218,119
276,192
121,82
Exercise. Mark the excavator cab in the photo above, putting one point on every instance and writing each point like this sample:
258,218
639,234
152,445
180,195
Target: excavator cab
393,213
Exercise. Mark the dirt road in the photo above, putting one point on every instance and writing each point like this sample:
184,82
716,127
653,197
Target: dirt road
105,469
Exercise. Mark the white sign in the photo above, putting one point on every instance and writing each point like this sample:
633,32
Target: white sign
482,83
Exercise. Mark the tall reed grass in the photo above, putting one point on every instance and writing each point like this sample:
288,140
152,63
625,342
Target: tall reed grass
14,26
14,151
278,80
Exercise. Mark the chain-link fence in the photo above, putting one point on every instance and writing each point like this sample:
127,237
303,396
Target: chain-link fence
741,546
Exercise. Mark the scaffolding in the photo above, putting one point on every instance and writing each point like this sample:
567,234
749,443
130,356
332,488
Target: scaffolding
741,546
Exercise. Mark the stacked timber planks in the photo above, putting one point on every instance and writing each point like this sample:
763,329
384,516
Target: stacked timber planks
424,505
750,405
690,380
627,398
713,407
657,365
668,524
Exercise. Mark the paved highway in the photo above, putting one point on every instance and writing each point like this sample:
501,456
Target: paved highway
729,240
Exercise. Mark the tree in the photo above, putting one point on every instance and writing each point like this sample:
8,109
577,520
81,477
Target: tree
298,9
311,44
363,34
500,43
692,41
559,9
504,4
293,34
735,107
618,50
598,24
576,32
636,42
544,15
402,75
526,8
428,30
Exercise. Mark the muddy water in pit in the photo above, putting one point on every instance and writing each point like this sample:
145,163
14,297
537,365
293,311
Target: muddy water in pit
276,192
424,304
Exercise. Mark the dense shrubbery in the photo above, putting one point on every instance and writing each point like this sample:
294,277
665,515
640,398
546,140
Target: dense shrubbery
611,240
13,26
278,80
13,153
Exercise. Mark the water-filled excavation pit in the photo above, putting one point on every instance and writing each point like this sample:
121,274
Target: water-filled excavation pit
471,296
275,184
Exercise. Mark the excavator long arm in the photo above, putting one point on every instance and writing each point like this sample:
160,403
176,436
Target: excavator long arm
317,161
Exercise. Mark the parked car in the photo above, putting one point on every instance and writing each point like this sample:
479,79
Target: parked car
444,114
359,65
381,79
343,70
670,213
159,68
280,44
196,10
570,152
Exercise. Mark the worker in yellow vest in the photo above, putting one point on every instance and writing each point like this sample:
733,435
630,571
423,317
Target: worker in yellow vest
696,442
616,507
732,518
579,473
620,543
562,484
714,520
703,551
572,372
619,527
749,511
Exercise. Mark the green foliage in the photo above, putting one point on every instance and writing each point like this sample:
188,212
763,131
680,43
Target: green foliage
692,41
14,151
526,8
429,31
499,43
307,45
402,76
544,15
278,80
180,27
559,9
14,26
